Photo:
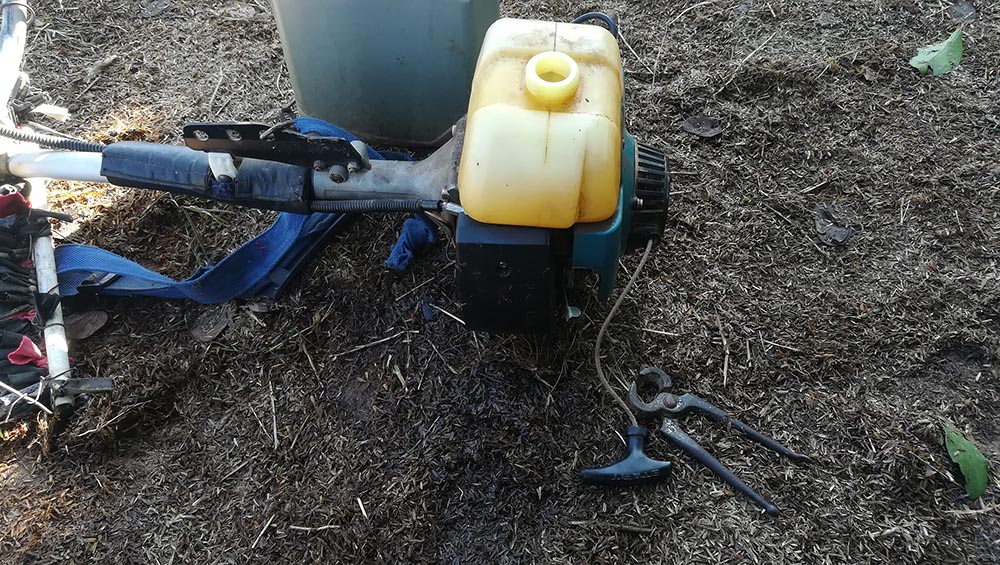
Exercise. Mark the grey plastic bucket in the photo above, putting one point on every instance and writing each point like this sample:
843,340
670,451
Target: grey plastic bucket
393,72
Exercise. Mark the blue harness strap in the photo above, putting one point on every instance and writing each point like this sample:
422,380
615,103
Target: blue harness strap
261,266
245,273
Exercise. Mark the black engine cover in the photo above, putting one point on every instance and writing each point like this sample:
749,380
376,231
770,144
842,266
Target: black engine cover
510,278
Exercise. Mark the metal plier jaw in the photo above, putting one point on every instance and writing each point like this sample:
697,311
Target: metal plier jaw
667,406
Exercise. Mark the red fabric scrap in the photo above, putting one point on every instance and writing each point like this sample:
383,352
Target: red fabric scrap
28,353
13,203
29,315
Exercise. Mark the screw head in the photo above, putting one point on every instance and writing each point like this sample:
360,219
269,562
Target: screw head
503,270
339,174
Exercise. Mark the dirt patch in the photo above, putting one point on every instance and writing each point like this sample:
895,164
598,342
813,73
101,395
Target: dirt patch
445,446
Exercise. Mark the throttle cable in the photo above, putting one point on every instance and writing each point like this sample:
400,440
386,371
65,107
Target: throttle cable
604,328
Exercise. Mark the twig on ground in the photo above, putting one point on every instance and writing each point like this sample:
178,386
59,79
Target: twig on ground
788,347
367,345
814,187
659,49
211,99
658,332
317,529
736,71
274,415
256,417
125,411
634,529
725,346
631,50
264,529
974,511
309,358
236,470
414,289
449,314
93,74
441,357
299,433
804,234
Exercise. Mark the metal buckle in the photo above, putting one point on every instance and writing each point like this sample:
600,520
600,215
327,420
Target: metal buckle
97,282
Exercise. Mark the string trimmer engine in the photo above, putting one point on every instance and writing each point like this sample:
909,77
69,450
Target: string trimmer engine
549,179
539,179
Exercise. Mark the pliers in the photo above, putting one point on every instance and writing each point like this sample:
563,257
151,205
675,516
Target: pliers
666,407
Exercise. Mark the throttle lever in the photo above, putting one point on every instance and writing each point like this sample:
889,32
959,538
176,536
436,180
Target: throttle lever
275,143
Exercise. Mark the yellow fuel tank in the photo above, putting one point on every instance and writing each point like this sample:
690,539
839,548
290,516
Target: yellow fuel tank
544,133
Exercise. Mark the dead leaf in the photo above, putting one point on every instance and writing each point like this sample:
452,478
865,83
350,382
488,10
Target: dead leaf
263,307
962,12
238,11
82,325
212,322
154,8
830,229
99,66
702,126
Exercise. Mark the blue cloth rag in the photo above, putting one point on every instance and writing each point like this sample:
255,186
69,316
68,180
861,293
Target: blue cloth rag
418,232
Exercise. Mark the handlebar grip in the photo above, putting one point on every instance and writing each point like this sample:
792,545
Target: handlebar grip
259,184
634,468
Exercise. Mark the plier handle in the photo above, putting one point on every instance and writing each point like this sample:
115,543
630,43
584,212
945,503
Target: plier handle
667,407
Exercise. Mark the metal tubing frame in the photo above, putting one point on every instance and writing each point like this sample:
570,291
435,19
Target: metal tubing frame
13,38
62,165
427,179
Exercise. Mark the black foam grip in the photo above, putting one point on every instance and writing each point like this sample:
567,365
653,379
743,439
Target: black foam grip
262,184
154,166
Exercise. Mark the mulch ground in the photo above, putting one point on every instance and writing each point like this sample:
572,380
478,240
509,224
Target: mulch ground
285,440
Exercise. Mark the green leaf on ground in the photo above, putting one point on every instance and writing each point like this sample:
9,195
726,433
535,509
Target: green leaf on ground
939,58
969,459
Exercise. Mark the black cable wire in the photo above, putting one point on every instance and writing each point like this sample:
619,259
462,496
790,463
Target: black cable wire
612,26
